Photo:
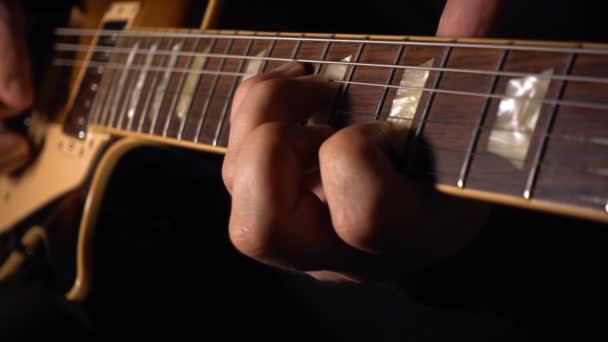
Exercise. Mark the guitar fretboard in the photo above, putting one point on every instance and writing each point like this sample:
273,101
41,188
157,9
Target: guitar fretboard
520,120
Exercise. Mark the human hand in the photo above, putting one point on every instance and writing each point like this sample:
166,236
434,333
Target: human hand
468,18
332,203
329,203
15,83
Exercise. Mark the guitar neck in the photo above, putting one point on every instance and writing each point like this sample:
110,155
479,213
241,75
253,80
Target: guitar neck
522,123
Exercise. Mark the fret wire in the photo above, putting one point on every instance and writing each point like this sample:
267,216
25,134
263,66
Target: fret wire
139,86
429,102
601,141
322,58
161,92
267,54
113,74
547,130
151,89
210,96
101,87
296,49
351,72
124,73
125,102
563,103
389,81
101,94
107,106
480,121
577,50
179,90
100,98
425,113
344,86
146,105
224,115
436,148
594,140
573,78
198,85
131,83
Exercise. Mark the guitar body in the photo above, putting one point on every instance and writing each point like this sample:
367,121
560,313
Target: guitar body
52,205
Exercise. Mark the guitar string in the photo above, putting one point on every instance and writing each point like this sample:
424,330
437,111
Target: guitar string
599,141
484,46
602,141
580,195
78,32
479,153
594,140
368,117
64,47
557,102
579,139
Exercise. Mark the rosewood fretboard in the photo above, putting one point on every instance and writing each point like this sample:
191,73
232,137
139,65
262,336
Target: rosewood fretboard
178,85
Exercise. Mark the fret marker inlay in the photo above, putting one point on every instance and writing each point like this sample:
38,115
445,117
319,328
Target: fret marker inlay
121,82
333,72
517,117
161,88
141,80
405,103
254,65
190,86
336,72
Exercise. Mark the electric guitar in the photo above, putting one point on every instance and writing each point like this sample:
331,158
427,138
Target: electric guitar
518,123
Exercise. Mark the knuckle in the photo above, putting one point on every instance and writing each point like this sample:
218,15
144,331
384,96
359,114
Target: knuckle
246,85
244,88
358,229
330,149
268,141
268,95
254,239
250,82
240,93
258,85
354,142
342,147
269,132
261,147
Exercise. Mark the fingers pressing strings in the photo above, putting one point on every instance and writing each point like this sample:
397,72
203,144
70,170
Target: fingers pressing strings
282,95
274,219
